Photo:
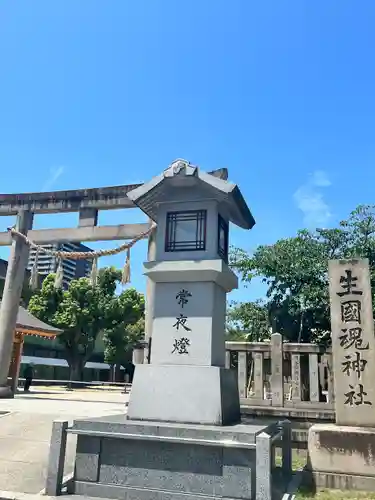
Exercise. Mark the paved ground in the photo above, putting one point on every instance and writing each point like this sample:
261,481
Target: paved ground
25,432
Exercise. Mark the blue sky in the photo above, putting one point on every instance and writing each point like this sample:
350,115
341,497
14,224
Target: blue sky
98,93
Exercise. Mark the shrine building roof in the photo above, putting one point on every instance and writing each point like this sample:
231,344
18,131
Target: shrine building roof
30,325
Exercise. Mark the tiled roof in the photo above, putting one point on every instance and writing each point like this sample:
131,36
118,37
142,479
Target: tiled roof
27,321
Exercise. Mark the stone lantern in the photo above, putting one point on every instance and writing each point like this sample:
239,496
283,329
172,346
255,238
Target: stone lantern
182,437
186,380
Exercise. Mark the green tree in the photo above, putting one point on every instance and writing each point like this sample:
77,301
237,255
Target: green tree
295,271
126,328
82,311
248,321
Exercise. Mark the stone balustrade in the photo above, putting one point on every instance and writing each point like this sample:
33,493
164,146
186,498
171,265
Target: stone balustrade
282,374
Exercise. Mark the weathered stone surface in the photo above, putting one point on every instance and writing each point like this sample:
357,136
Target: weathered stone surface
353,342
277,379
105,198
73,200
11,298
296,377
150,294
87,459
88,217
263,467
342,450
343,482
119,424
314,377
258,375
56,457
171,460
242,374
84,233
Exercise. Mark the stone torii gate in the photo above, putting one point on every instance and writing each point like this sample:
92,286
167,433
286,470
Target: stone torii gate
87,202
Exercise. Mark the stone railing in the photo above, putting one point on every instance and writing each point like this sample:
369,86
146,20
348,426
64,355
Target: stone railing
281,374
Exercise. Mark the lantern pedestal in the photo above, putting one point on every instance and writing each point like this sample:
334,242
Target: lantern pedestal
186,394
117,458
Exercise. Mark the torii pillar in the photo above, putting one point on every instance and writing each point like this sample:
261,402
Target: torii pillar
14,280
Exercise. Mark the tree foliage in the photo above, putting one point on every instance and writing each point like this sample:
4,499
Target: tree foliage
295,271
82,312
248,317
127,326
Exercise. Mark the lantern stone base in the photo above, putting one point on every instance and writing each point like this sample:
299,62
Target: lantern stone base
341,457
6,392
186,394
117,458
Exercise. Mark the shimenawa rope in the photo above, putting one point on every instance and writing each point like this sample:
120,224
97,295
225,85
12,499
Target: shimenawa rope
94,256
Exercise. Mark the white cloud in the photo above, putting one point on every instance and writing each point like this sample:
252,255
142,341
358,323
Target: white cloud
310,200
54,174
320,178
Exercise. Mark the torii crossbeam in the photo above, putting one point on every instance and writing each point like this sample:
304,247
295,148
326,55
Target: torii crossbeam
88,203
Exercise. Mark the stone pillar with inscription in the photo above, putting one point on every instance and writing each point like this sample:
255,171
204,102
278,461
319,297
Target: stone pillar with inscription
343,453
353,342
186,380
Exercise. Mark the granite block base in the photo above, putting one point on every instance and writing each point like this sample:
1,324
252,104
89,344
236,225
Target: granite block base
106,491
122,459
186,394
341,457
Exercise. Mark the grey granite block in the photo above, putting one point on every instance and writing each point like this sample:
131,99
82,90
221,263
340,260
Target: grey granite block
286,447
263,467
185,394
149,460
119,424
87,458
166,466
238,470
344,482
128,493
55,471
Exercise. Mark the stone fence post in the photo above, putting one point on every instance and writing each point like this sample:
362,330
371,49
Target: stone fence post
263,483
277,376
55,471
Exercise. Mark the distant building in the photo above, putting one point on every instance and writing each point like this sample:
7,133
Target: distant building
3,272
47,355
3,269
72,269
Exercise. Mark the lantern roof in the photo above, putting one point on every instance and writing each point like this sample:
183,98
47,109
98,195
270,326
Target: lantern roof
166,187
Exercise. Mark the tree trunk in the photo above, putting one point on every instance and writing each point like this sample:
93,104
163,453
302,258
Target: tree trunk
77,360
117,372
111,373
75,371
302,317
